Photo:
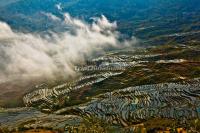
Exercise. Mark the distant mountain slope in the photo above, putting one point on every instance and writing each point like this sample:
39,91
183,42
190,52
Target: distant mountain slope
6,2
144,18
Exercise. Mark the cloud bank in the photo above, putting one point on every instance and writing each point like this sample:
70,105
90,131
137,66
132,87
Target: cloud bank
34,55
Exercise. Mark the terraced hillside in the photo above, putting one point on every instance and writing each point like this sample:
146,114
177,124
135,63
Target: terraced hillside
125,88
152,85
153,22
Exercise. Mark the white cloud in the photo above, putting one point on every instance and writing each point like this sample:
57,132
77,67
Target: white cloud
58,6
51,16
30,55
